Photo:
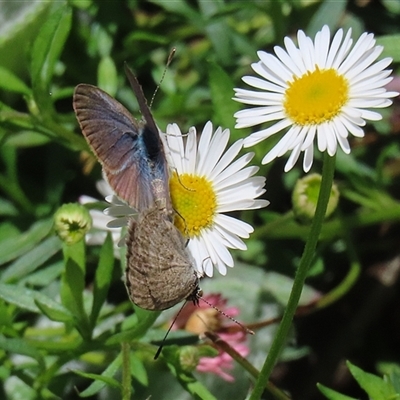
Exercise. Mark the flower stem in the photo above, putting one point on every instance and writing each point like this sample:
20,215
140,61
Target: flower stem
301,274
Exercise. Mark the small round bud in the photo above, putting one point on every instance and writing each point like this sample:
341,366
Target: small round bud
71,222
305,197
189,358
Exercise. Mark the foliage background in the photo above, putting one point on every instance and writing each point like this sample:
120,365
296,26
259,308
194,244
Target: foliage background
58,314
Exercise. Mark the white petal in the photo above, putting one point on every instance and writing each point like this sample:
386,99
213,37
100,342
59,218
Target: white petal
294,156
190,151
233,225
217,146
308,157
343,143
227,158
263,84
274,64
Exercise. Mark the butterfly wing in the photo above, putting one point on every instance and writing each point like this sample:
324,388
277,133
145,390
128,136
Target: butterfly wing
154,146
159,271
115,138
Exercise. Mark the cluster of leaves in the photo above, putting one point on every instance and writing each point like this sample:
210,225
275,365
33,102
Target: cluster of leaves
64,315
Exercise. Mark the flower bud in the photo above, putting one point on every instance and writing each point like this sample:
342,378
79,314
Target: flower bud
189,358
305,197
71,222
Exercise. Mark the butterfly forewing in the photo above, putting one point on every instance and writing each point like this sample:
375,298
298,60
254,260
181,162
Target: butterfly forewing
159,271
131,153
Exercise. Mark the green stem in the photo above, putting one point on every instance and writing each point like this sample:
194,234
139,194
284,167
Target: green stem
126,372
301,274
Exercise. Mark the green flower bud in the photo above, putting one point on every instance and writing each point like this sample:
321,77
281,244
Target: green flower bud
305,197
71,222
189,358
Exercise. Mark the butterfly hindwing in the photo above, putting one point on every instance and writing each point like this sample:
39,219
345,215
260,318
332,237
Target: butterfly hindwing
159,271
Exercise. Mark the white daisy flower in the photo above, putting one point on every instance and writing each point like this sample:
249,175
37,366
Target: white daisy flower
320,89
205,183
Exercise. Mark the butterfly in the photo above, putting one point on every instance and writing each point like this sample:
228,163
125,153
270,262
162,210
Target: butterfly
159,272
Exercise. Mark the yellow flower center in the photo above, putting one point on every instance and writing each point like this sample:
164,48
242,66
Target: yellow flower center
194,201
316,97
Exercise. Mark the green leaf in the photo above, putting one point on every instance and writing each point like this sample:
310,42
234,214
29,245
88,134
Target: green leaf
32,260
331,394
138,370
99,378
9,81
375,386
27,139
44,276
103,278
221,86
108,76
54,311
20,346
280,286
73,285
15,246
335,10
391,44
146,321
47,48
103,379
25,298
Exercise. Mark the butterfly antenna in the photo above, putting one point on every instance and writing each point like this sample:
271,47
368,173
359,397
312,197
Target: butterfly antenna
170,57
168,331
247,330
137,89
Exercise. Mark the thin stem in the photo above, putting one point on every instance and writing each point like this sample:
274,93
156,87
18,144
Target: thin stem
301,274
126,372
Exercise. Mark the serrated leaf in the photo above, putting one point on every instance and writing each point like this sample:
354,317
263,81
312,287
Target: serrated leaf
375,386
32,260
331,394
11,82
16,246
106,376
102,278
